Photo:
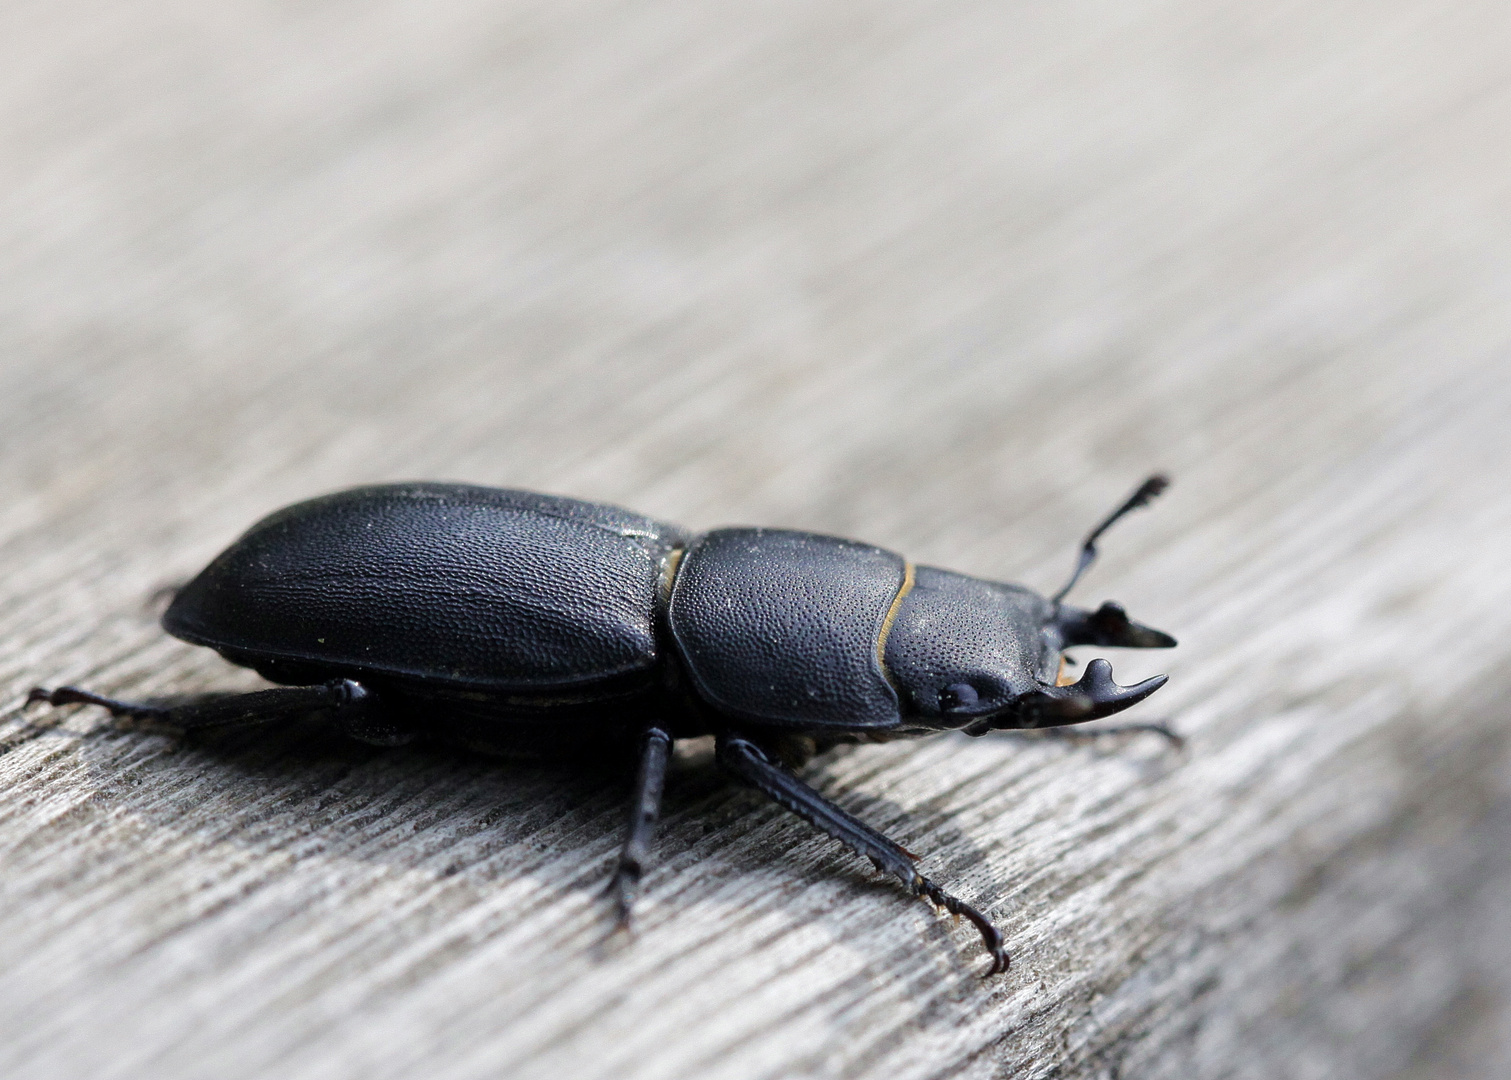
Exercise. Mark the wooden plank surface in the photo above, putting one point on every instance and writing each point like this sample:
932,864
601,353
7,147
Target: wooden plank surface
948,277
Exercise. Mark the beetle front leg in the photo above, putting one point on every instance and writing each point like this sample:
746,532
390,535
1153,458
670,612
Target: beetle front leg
354,704
747,761
645,808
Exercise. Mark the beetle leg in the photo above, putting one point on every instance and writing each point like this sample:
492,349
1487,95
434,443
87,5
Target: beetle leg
747,761
347,699
645,808
72,695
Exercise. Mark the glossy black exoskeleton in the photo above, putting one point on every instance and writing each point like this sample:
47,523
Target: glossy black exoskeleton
526,623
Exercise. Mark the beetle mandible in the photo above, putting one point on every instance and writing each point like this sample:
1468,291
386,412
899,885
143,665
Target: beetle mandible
524,623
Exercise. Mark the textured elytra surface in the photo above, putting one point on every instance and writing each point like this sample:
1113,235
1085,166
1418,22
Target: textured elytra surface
945,278
443,583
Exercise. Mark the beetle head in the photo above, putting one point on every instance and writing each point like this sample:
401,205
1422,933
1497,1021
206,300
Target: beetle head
978,655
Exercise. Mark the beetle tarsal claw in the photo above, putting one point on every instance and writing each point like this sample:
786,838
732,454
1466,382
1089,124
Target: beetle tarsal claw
1093,697
991,937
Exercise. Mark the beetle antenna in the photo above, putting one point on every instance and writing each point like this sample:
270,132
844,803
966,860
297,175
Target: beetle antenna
1142,497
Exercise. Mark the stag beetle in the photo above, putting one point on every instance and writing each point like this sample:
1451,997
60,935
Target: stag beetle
526,623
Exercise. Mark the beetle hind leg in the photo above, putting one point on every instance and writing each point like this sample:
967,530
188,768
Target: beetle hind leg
72,695
748,762
354,704
645,808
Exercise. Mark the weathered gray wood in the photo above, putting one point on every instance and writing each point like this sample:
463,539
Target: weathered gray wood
947,277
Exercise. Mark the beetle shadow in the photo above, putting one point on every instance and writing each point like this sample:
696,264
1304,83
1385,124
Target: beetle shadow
427,810
1154,748
449,818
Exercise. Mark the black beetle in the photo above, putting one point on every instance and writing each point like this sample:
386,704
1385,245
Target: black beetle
519,622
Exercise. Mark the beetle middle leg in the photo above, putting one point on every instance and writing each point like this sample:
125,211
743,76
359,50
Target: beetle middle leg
748,762
356,706
645,808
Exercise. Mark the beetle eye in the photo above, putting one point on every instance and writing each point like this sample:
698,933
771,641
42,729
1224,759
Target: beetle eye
958,696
